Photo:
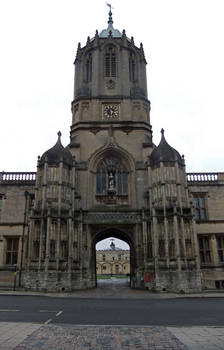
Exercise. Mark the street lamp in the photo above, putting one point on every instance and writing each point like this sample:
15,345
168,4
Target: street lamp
26,194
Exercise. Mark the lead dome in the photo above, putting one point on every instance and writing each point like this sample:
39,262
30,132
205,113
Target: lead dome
56,154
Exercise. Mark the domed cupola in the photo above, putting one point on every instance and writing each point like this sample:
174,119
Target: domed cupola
57,154
164,153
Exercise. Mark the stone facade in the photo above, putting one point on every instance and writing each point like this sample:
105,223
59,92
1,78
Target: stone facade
114,261
111,180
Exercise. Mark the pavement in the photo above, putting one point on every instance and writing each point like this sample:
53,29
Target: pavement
116,289
30,336
39,336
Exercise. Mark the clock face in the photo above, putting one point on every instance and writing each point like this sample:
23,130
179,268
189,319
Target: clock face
111,111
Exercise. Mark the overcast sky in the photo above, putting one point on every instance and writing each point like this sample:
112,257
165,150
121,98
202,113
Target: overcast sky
183,43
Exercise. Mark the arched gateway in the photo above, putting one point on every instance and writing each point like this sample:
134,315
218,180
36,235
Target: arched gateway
111,180
122,232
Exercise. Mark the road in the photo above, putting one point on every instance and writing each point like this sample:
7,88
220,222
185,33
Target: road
111,314
92,311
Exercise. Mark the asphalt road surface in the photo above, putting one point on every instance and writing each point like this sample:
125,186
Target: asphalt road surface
92,311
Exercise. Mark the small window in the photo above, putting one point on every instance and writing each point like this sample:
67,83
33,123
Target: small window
101,181
220,248
64,249
104,257
217,284
188,247
52,249
12,251
199,205
161,248
204,249
172,248
36,249
110,64
149,250
31,200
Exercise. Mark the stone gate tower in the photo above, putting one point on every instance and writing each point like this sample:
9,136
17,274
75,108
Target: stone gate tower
111,180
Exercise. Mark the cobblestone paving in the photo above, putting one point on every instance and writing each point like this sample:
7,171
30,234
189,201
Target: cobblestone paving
69,337
200,338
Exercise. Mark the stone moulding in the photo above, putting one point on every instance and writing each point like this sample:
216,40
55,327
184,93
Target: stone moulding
111,217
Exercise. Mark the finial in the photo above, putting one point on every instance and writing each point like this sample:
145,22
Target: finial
59,135
162,132
88,40
110,14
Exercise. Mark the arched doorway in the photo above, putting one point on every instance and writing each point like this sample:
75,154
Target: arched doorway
123,234
112,262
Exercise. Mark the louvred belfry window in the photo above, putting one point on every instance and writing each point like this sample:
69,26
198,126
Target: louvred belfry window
110,64
111,176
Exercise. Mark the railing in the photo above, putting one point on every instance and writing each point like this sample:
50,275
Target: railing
17,177
202,177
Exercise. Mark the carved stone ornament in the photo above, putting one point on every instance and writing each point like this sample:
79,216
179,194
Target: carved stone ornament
85,105
110,84
94,130
112,218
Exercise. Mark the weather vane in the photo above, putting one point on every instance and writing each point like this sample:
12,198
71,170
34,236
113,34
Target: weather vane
109,5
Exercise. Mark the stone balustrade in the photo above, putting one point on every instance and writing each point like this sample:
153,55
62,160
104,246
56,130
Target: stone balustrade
21,177
203,177
17,177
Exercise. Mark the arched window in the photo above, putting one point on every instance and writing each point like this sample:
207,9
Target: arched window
110,62
111,177
132,68
88,68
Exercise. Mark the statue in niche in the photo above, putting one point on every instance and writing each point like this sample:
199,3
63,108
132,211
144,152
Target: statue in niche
111,182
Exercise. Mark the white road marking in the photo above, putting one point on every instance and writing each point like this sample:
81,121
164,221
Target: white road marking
59,313
9,310
53,311
48,321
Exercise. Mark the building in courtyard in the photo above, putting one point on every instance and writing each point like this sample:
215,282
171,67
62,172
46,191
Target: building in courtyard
112,180
113,261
